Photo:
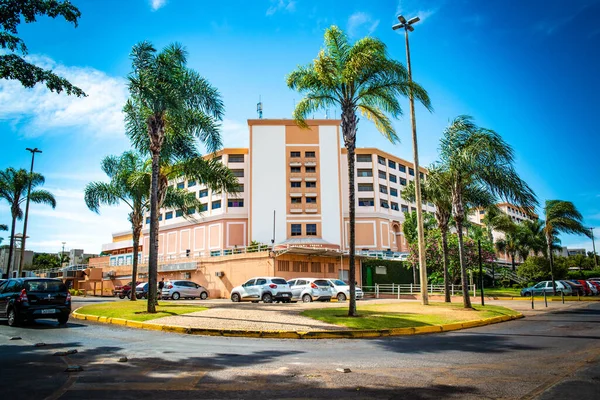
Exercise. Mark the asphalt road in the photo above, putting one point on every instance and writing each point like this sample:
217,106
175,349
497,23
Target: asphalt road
550,356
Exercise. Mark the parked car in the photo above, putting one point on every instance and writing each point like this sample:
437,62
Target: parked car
341,290
28,299
186,289
125,290
596,284
310,289
546,287
141,291
586,289
592,287
576,287
262,288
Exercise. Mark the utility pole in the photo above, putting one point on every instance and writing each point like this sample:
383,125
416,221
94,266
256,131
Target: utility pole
22,256
408,26
62,254
594,247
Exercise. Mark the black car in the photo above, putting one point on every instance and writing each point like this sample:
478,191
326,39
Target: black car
27,299
141,292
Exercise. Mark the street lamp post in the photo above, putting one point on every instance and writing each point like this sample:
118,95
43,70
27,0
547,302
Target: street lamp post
22,257
594,248
408,26
62,254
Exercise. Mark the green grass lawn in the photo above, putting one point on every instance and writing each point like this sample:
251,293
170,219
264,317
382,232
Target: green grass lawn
136,310
500,292
405,315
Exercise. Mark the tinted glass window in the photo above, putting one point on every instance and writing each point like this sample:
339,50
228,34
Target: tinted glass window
262,281
291,283
300,282
44,286
339,282
2,286
321,282
249,283
279,281
180,283
10,287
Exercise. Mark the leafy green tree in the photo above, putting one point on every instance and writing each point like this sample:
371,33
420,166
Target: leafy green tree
45,261
479,157
535,240
13,66
13,189
354,77
536,269
3,228
169,103
561,217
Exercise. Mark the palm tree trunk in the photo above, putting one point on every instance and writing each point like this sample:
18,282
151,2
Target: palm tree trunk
12,244
153,251
415,274
512,262
463,267
447,298
136,228
551,259
352,212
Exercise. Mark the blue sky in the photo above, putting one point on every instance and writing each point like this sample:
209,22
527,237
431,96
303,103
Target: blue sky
527,69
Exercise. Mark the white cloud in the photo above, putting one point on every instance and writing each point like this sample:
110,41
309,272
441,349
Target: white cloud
412,9
361,23
156,4
281,5
34,111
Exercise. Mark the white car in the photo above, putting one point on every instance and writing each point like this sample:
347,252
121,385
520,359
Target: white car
186,289
310,289
341,290
267,289
593,288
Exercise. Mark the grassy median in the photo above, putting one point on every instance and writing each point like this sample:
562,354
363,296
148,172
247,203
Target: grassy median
405,315
136,310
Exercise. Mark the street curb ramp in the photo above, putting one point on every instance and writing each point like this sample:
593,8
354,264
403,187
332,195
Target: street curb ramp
341,334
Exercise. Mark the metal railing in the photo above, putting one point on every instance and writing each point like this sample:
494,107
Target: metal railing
384,255
396,289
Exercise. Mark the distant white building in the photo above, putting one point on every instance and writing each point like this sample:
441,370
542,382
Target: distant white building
78,256
566,252
27,260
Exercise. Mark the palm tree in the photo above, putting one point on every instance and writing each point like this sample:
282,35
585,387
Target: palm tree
3,228
409,229
534,238
355,77
512,243
166,96
13,188
561,217
479,157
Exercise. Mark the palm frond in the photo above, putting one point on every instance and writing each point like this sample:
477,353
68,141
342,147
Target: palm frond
42,197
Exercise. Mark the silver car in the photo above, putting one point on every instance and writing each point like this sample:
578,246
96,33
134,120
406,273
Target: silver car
186,289
267,289
310,289
341,290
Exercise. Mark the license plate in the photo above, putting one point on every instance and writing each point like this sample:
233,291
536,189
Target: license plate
49,311
285,295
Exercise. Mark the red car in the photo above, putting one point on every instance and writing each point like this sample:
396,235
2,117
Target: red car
586,288
124,291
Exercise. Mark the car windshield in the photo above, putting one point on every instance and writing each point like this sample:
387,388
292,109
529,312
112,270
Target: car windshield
279,281
338,282
44,286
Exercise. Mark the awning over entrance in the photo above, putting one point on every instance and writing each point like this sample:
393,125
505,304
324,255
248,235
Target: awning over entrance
308,247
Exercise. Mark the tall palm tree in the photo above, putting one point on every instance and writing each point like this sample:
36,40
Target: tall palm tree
561,217
513,241
167,96
479,157
534,238
13,188
410,231
354,77
3,228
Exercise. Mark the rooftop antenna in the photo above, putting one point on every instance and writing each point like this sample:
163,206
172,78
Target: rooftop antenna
327,114
259,108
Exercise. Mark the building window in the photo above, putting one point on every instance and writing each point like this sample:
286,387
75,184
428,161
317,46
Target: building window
310,170
296,200
381,160
283,266
411,172
235,203
366,202
394,206
169,215
315,267
383,189
203,193
160,217
413,209
294,154
191,211
421,175
296,230
331,268
365,173
303,266
295,170
147,220
191,183
296,266
363,158
404,208
309,154
384,204
365,187
311,184
403,181
393,178
239,173
236,158
203,207
401,168
179,213
481,212
311,200
392,164
180,185
311,229
216,204
240,188
393,192
295,184
218,159
382,175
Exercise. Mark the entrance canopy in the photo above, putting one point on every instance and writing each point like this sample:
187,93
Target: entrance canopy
308,247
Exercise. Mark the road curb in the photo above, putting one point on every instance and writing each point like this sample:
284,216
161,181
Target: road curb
541,298
334,334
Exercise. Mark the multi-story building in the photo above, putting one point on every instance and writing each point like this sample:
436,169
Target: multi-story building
293,195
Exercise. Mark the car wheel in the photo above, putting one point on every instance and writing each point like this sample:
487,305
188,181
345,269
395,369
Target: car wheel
121,296
203,296
526,294
13,319
306,298
63,320
267,298
341,297
235,297
175,296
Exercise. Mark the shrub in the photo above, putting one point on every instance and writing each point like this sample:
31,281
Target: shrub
583,274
